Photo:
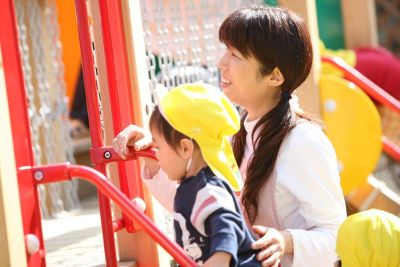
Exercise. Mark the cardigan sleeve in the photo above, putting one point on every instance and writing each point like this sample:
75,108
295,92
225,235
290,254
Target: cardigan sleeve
312,178
161,187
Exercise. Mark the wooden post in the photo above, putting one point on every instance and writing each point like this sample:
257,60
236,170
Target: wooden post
359,22
12,252
308,92
138,246
141,98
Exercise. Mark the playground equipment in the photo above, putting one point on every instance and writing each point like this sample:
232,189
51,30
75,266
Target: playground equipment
116,92
102,33
354,149
351,121
30,177
375,92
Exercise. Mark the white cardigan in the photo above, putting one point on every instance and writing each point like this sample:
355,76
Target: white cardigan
309,200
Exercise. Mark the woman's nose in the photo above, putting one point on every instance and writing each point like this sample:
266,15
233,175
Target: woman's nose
222,61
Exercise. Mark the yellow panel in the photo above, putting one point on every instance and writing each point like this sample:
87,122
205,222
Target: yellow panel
353,125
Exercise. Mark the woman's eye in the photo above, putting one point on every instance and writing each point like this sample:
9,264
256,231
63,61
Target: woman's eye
235,55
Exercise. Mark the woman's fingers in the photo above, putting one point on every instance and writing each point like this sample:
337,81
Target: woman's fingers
267,252
264,239
270,245
259,229
272,261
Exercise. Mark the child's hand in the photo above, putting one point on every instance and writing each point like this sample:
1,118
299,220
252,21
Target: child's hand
132,135
219,259
273,245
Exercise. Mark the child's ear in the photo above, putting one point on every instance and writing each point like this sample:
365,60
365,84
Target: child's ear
186,148
276,78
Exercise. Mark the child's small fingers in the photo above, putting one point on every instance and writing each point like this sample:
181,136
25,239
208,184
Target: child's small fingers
143,143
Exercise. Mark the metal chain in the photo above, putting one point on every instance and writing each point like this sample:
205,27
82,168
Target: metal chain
184,37
34,116
56,71
38,41
41,52
29,87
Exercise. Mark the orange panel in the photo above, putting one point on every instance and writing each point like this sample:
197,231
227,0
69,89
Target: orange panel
70,41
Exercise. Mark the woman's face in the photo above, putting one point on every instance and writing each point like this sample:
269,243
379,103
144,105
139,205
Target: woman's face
241,80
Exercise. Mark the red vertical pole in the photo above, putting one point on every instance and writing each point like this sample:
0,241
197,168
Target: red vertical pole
20,126
119,91
92,101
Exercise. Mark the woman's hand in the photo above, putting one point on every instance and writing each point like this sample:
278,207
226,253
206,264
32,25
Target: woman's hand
273,245
132,135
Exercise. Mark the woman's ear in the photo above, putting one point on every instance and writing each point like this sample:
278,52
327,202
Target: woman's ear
186,148
276,78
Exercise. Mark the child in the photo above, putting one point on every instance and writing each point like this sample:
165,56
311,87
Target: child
369,238
190,129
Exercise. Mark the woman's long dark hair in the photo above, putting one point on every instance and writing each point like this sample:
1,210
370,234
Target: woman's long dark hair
276,38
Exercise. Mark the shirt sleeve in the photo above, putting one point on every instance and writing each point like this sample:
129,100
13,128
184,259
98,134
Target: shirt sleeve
215,215
226,235
161,187
314,181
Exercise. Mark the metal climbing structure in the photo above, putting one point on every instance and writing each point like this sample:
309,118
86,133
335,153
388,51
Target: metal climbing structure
171,44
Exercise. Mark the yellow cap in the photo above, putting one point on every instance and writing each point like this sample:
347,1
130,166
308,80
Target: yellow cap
203,113
369,238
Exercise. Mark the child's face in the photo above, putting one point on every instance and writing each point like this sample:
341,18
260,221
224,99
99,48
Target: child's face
170,159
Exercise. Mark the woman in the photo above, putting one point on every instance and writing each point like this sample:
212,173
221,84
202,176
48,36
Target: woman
291,193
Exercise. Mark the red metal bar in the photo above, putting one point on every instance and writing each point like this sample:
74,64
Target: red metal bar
375,92
95,124
66,171
391,148
20,126
369,87
103,155
119,90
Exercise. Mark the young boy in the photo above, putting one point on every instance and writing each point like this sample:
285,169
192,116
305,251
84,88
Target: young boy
190,129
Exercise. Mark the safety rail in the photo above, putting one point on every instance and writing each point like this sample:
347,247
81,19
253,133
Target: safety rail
66,171
375,92
102,155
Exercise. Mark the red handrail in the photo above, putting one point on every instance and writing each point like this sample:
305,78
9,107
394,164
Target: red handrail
375,92
369,87
65,171
93,109
102,155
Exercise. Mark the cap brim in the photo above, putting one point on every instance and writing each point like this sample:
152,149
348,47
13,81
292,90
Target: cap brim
221,160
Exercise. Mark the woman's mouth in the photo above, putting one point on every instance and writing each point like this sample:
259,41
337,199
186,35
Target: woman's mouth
224,82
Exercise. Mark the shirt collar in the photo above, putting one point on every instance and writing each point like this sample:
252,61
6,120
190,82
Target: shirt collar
249,125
